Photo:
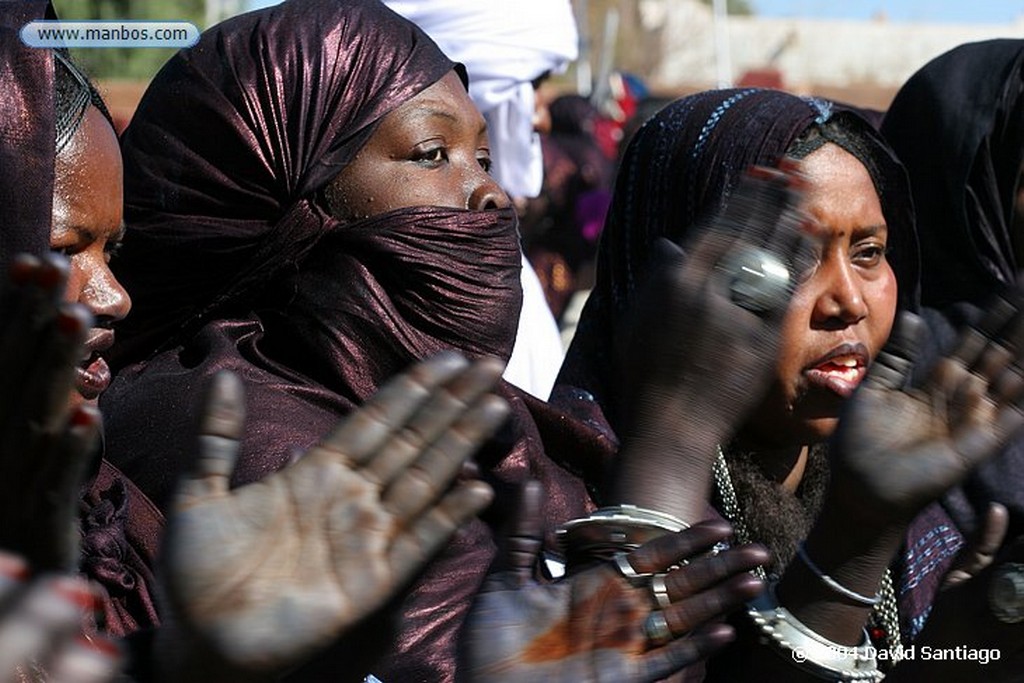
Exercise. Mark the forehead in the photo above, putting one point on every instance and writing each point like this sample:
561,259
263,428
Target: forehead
446,101
839,186
88,177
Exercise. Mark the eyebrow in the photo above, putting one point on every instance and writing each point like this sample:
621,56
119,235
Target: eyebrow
869,230
437,110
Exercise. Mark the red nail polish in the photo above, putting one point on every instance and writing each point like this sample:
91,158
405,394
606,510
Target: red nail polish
13,567
77,593
85,416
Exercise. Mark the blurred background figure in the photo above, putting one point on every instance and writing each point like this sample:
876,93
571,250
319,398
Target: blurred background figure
509,49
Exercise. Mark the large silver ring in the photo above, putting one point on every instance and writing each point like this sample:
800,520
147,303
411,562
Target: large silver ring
656,628
1006,593
660,591
758,280
634,577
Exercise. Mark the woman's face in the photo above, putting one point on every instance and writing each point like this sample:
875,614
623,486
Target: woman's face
841,314
87,225
431,151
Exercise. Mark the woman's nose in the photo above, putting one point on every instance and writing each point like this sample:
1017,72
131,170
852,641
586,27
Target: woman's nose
841,300
103,294
487,195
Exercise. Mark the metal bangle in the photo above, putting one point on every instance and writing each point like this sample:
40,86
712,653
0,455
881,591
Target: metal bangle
833,584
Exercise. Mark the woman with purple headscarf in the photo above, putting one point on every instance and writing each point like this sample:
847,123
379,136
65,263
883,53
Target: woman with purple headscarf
308,206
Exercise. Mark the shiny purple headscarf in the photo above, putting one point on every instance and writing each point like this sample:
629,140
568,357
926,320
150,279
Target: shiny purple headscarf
26,135
234,263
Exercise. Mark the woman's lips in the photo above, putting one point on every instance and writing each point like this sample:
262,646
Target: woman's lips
840,370
91,380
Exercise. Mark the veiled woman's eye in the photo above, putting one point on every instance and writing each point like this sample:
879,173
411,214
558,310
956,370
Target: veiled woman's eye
431,157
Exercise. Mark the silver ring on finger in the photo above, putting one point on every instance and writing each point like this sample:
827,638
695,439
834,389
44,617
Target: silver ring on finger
626,569
660,591
758,280
656,628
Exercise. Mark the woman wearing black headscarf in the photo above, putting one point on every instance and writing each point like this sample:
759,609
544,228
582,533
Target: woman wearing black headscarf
958,127
684,163
308,206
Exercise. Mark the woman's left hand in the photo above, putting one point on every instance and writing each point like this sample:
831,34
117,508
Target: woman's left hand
591,626
267,574
44,444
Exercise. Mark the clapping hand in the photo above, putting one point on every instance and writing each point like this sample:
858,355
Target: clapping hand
268,573
594,625
45,444
899,446
41,637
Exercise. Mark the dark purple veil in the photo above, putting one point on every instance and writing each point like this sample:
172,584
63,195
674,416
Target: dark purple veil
682,164
233,263
958,127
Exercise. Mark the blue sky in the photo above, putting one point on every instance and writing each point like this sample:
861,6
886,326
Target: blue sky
959,11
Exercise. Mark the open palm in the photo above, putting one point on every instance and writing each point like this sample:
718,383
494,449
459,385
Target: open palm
270,572
899,446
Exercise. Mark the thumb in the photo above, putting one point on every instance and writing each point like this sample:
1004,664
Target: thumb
222,423
892,368
523,544
982,549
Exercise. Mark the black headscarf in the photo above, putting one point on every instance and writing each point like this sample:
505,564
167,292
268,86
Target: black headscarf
234,263
958,127
683,163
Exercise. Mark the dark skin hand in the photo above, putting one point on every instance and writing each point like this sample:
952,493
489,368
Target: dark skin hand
365,510
41,629
897,448
688,330
44,445
590,626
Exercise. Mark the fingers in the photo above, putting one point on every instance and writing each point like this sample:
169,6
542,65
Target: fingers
705,572
222,424
983,548
42,620
524,543
975,339
447,404
434,470
361,435
893,366
665,551
431,531
95,659
664,661
711,603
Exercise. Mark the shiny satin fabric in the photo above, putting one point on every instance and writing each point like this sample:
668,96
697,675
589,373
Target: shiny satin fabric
958,127
26,135
118,525
233,264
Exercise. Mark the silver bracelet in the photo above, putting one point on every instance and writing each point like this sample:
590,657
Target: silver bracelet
810,651
833,584
620,527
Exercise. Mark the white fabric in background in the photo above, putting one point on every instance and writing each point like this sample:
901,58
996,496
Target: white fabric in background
505,45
